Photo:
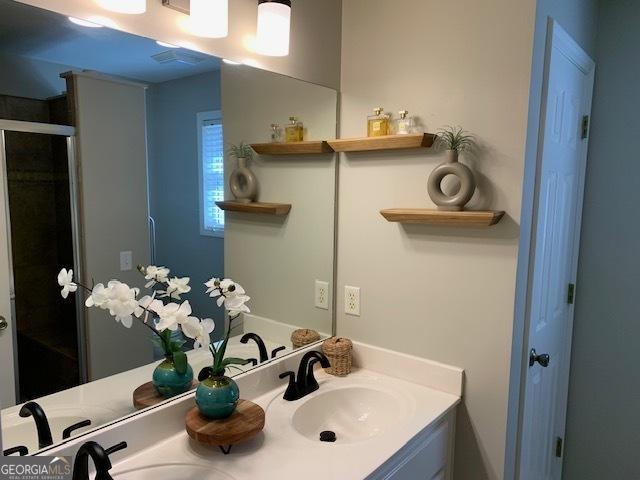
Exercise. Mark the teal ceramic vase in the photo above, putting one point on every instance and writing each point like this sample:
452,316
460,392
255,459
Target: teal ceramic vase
168,382
217,397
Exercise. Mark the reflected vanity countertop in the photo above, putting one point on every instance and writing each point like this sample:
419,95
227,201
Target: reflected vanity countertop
374,412
105,400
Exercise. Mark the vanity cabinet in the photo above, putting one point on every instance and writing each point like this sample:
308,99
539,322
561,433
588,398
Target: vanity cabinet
427,456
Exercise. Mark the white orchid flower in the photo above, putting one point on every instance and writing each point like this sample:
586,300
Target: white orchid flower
172,315
199,331
236,305
65,280
213,287
99,297
176,287
148,304
122,302
156,275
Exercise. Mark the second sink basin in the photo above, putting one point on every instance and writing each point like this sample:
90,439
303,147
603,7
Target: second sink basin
354,413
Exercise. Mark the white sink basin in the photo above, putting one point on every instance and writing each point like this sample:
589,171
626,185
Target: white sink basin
354,414
173,471
22,431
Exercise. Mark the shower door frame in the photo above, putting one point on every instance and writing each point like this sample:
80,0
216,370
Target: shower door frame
76,234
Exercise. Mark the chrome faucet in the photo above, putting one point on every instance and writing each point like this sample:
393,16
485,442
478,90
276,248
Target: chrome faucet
100,458
306,381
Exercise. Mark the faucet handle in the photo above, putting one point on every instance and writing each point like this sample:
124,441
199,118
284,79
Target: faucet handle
66,433
21,450
292,389
275,351
116,448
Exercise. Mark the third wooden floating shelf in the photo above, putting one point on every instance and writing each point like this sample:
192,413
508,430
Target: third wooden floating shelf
466,218
387,142
255,207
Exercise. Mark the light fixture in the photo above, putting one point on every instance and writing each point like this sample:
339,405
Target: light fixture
274,24
209,18
167,45
124,6
84,23
230,62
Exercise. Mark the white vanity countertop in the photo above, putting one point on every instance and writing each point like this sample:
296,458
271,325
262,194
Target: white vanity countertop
281,453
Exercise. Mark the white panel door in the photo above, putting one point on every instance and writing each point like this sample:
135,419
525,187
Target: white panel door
7,376
559,204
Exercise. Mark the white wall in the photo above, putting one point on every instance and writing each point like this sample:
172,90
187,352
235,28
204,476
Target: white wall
602,422
278,259
441,293
26,77
578,18
114,207
315,33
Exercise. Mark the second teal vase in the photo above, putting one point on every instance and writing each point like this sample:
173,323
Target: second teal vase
168,382
217,397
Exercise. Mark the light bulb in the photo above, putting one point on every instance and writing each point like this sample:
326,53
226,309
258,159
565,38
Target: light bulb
209,18
274,25
124,6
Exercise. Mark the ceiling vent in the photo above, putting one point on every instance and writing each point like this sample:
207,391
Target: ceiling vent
172,56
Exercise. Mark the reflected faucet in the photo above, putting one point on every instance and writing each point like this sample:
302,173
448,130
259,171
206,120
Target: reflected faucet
32,409
306,381
100,458
264,356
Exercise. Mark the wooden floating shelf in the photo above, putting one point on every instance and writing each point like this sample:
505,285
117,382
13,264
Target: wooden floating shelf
294,148
441,217
388,142
255,207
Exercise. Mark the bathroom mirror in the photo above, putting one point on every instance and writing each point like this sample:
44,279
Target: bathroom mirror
114,154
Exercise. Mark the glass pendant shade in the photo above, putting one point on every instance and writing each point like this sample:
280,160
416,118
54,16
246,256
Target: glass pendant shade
209,18
274,25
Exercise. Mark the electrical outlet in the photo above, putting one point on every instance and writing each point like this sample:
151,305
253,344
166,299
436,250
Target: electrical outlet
126,261
352,300
322,295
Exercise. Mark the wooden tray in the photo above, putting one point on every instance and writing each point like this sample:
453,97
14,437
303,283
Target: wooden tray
243,424
146,395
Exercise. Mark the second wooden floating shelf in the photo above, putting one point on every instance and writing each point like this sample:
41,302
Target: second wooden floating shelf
466,218
255,207
294,148
388,142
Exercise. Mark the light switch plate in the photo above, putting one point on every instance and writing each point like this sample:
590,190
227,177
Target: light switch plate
352,300
322,295
126,261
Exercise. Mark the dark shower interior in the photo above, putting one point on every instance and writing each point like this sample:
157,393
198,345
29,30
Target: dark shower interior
41,239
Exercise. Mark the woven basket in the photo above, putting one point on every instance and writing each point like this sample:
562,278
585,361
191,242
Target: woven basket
339,352
304,336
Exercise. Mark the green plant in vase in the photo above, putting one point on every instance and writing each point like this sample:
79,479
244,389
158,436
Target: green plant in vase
217,395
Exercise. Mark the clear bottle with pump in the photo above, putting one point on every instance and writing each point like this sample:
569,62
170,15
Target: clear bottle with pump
378,123
276,133
405,124
294,131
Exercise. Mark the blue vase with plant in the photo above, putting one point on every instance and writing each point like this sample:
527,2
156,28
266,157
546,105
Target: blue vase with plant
217,395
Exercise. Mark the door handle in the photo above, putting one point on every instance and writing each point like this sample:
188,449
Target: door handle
3,323
542,359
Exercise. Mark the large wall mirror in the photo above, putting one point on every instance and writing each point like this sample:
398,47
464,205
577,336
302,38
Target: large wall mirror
114,153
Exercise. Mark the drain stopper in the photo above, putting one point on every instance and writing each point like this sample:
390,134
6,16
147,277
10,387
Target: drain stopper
327,436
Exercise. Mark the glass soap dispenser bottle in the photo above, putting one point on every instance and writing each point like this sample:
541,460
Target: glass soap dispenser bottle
294,131
405,124
276,133
378,123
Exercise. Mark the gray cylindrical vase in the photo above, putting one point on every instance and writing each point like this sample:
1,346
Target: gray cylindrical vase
243,183
464,174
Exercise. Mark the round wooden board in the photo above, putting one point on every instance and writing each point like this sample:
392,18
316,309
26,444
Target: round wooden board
243,424
146,395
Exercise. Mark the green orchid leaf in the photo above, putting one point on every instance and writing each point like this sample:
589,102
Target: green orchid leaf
234,361
180,362
176,345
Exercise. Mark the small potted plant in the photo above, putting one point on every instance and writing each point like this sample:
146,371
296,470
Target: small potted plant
217,395
453,140
243,183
